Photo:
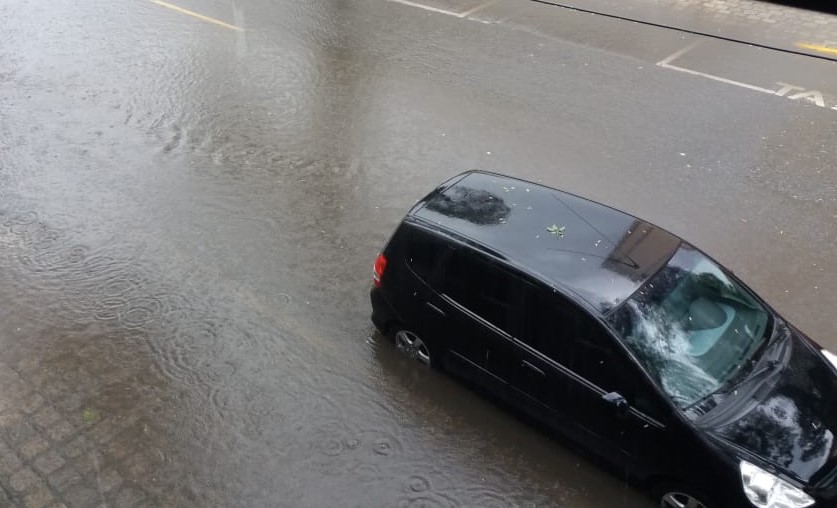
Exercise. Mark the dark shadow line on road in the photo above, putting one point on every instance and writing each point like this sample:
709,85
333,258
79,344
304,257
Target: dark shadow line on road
686,30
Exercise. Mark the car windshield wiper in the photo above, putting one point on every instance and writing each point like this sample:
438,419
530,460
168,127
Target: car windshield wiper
768,365
746,376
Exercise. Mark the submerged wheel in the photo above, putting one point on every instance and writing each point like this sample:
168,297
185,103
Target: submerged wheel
413,346
680,500
676,497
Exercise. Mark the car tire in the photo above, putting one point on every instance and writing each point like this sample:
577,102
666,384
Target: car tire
677,495
418,348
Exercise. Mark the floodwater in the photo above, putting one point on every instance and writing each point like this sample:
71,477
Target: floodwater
188,220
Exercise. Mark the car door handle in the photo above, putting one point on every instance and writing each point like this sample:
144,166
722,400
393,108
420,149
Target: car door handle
531,367
435,309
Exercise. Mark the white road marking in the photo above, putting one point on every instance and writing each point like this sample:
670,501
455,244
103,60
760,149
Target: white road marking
428,8
678,54
786,88
446,12
719,78
666,63
478,8
812,96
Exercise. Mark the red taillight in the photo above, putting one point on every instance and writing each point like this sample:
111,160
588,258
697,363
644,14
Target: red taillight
378,271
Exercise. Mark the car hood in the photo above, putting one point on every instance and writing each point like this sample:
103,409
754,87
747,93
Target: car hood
789,419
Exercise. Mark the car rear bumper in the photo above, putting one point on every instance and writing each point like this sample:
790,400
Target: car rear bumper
382,314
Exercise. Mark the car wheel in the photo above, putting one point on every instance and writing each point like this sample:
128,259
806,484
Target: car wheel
674,496
415,347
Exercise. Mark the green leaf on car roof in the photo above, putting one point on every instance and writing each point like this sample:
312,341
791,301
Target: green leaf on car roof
556,230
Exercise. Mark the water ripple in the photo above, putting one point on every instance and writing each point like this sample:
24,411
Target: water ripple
427,500
21,219
193,354
108,308
418,483
140,312
485,497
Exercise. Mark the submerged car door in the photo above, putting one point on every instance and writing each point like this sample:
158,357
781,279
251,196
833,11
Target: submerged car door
621,412
479,297
572,376
539,374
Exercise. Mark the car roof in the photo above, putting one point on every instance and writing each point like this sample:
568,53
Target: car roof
600,254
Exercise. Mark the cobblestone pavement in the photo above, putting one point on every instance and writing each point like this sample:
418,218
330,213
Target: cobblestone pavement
91,435
86,420
52,457
813,25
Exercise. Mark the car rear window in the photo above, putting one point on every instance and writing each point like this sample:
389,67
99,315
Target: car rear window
423,253
479,286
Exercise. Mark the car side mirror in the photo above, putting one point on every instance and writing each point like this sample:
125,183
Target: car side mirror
618,402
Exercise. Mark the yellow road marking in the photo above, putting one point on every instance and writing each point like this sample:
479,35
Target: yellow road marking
817,47
199,16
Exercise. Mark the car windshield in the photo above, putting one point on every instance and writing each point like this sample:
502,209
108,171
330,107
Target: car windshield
691,327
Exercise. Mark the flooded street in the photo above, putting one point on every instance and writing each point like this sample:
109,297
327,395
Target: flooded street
189,213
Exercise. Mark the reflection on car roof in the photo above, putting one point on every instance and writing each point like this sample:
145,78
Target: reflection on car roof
601,254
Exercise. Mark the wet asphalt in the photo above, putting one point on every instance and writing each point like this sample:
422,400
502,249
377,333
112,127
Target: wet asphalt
189,213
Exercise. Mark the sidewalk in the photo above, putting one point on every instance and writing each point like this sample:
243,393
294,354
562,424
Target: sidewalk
755,22
54,458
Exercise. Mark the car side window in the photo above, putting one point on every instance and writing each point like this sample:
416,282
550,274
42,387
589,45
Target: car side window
480,286
423,253
548,323
644,400
564,332
597,358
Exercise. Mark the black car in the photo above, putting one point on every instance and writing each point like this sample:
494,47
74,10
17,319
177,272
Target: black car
619,335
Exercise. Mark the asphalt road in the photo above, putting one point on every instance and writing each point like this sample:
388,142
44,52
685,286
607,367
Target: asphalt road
192,196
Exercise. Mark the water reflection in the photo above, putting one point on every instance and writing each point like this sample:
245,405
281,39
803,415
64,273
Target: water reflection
477,206
692,327
156,274
778,429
